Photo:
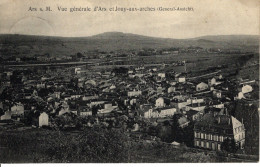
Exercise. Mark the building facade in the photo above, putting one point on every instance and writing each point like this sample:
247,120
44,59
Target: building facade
211,131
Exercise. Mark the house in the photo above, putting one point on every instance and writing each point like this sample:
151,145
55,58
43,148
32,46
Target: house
91,82
196,106
212,82
201,86
246,89
136,127
160,90
108,108
6,116
89,97
77,70
134,93
17,109
57,95
162,75
240,95
162,102
150,114
160,112
64,109
166,112
183,122
85,113
139,75
211,131
96,102
43,119
171,89
133,101
18,59
217,93
180,103
193,115
181,79
112,87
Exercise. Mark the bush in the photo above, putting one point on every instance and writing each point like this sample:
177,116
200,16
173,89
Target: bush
93,145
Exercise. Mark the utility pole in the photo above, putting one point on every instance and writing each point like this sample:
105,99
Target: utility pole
185,68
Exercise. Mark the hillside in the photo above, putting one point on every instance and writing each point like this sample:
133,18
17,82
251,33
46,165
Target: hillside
31,45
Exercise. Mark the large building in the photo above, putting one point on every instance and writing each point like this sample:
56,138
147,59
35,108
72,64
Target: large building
212,129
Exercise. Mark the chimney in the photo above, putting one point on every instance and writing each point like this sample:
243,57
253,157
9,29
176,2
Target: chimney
228,121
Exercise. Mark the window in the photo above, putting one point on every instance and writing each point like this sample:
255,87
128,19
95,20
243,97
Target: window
197,134
211,138
202,135
206,136
219,147
221,138
213,146
197,143
207,144
202,144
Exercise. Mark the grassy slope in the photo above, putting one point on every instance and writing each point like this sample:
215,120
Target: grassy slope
34,145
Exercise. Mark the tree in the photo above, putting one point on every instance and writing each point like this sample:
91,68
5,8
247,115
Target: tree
43,92
92,145
1,112
79,55
229,146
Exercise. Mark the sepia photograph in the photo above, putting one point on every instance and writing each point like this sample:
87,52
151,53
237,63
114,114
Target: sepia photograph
129,81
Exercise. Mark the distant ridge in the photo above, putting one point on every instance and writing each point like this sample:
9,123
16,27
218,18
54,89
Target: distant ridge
110,41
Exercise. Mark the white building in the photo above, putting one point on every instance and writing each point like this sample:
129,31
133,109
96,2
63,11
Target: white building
17,109
171,89
181,79
86,113
201,86
247,89
43,119
217,93
6,116
162,75
77,70
160,102
160,113
212,81
134,93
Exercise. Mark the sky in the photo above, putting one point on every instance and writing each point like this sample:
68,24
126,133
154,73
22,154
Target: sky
210,17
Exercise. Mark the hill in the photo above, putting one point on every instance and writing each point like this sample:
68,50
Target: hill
109,41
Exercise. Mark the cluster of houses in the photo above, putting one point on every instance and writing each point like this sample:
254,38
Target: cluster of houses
147,93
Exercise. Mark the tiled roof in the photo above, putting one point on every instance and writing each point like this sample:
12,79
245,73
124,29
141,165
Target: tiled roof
218,123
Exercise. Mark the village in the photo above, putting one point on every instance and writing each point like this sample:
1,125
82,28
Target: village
148,102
